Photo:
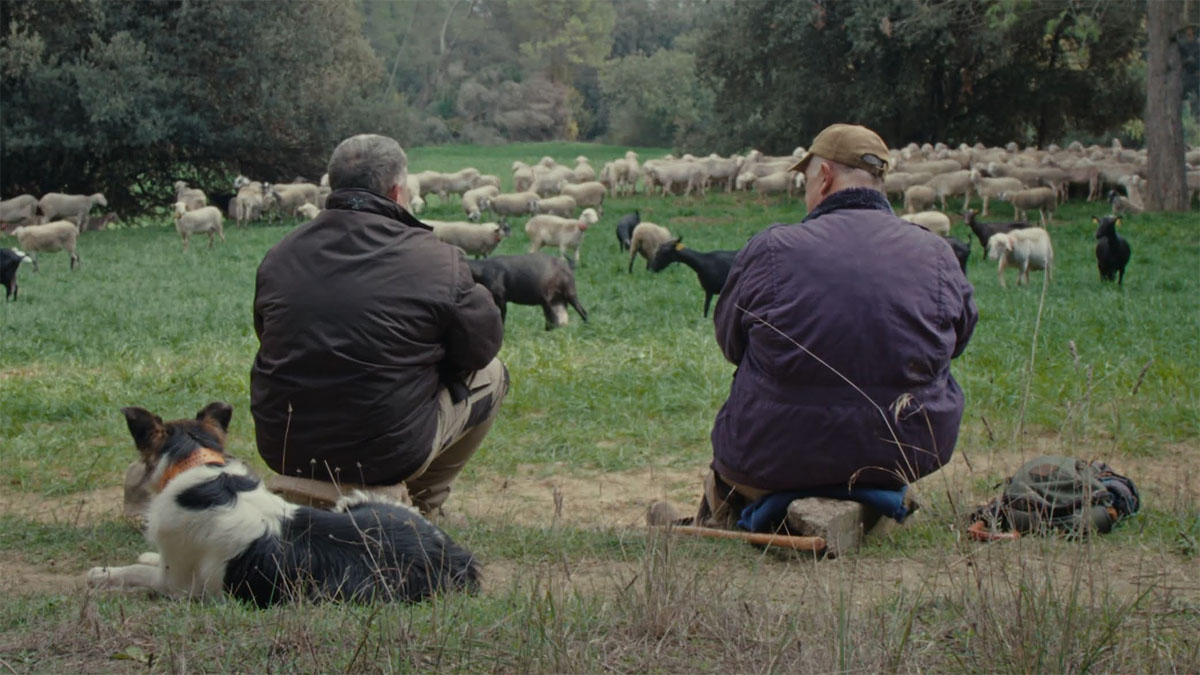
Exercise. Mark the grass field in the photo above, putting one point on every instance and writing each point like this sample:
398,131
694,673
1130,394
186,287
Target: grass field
602,418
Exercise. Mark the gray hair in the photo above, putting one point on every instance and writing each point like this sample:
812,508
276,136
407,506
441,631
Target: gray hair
853,175
368,161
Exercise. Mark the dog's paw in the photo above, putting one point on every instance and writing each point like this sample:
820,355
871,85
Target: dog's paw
98,577
150,558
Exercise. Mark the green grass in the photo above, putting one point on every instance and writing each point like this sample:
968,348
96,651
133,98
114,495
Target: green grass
142,323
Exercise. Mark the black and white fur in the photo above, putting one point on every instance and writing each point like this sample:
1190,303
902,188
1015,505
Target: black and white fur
10,261
218,530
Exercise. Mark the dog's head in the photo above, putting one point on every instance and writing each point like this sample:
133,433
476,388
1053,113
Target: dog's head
163,445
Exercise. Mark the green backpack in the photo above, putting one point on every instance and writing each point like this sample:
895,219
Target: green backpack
1061,493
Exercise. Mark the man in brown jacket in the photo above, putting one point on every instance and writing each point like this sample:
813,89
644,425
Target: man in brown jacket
377,350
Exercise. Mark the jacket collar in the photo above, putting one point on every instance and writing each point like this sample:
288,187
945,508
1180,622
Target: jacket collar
851,198
365,201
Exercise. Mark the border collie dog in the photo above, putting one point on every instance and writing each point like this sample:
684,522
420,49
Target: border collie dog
218,530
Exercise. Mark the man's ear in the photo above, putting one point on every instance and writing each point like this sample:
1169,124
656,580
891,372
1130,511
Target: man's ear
218,412
399,194
143,426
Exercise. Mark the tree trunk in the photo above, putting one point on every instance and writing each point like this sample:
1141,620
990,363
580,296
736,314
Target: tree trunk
1166,182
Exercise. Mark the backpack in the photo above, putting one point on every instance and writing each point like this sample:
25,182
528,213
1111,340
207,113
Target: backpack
1059,493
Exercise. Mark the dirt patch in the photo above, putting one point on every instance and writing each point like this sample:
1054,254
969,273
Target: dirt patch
21,578
81,508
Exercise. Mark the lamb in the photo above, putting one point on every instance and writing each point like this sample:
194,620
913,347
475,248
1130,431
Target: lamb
529,279
934,221
625,229
477,239
952,184
566,233
53,236
985,230
510,204
307,211
994,187
289,196
1121,204
646,239
20,210
193,197
562,205
471,198
918,198
207,220
590,193
1042,198
1026,249
69,207
1112,251
10,261
711,268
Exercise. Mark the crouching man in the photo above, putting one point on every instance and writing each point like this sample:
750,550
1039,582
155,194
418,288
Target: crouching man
377,350
842,328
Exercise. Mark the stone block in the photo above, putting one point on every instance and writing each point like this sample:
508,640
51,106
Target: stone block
841,523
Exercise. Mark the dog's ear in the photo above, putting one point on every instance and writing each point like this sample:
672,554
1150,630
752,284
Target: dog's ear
144,426
218,412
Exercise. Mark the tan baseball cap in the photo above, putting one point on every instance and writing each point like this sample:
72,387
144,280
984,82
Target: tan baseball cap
848,144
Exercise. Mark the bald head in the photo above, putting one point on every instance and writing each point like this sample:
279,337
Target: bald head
823,177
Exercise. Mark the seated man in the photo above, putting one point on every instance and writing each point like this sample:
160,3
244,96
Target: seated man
842,328
377,350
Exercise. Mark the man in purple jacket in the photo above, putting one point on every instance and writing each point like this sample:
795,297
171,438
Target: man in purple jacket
842,328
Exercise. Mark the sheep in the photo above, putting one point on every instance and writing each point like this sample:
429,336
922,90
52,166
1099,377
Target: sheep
775,183
625,229
1026,249
69,207
510,204
562,205
590,193
583,173
918,198
458,182
430,182
470,200
711,268
102,222
20,210
985,230
53,236
1193,185
952,184
1121,204
486,180
207,220
522,177
529,279
1112,251
291,195
1043,199
994,187
646,239
307,211
632,172
549,182
193,197
566,233
934,221
247,205
477,239
412,187
722,169
10,261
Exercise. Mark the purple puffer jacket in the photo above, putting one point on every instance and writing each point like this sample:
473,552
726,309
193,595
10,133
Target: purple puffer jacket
875,298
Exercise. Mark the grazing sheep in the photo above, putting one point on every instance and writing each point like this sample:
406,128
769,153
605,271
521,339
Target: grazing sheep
1041,198
247,204
625,229
289,196
584,173
477,239
412,187
562,205
56,236
918,198
985,230
934,221
307,211
1025,249
1112,251
207,220
722,170
529,279
486,180
69,207
510,204
193,197
10,261
471,199
711,268
522,177
549,182
20,210
775,183
458,182
565,233
431,182
646,239
989,188
952,184
1121,204
590,193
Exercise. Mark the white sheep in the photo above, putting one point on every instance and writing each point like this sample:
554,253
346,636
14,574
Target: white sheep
457,183
1027,248
193,197
413,187
55,236
207,220
522,177
472,197
934,221
583,172
590,193
951,184
308,211
20,210
289,196
565,233
477,239
1042,198
69,207
430,182
918,198
989,188
775,183
247,204
562,205
510,204
487,179
646,239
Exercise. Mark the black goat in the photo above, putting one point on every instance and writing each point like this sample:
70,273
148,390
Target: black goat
985,230
625,229
1112,251
529,279
712,268
10,260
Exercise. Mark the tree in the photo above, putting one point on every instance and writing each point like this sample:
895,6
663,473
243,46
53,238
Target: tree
656,99
1167,179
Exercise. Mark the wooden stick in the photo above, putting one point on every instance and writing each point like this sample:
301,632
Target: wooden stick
779,540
